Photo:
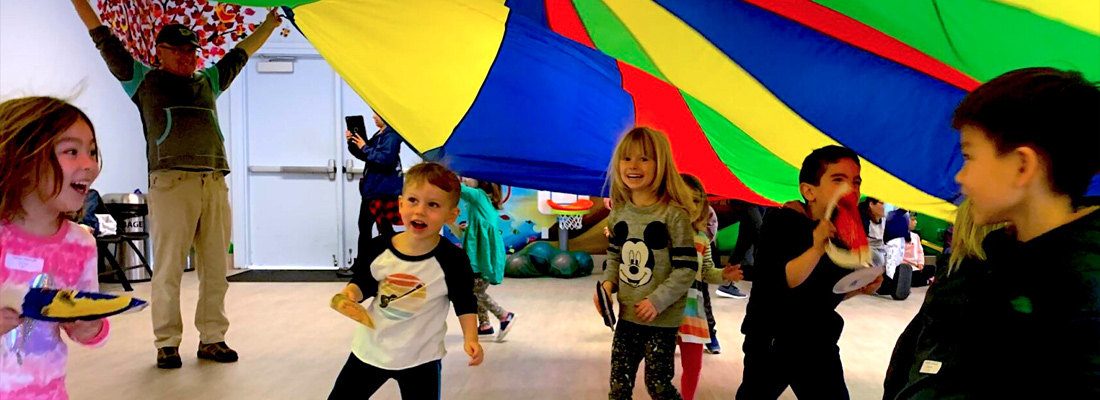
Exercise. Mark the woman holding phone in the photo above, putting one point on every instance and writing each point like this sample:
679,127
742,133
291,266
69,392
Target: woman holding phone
382,177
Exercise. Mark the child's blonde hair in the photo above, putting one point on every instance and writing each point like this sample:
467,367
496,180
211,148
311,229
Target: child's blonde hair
702,208
29,129
437,175
670,187
966,242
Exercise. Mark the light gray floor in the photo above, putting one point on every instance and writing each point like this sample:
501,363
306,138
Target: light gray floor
292,346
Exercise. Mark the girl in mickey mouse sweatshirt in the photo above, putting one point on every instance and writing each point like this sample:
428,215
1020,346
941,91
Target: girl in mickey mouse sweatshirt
651,261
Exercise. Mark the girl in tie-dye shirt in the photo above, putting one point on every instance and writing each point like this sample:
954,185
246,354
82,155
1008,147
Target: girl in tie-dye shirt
49,158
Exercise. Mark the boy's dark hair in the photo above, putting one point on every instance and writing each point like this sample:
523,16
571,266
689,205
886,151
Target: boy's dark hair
1054,112
815,164
436,175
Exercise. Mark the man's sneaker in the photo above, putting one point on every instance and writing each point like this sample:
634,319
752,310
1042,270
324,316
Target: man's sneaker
506,325
730,292
485,330
713,347
344,273
219,352
169,358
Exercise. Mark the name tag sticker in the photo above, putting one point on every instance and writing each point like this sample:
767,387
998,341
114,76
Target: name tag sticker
23,263
930,367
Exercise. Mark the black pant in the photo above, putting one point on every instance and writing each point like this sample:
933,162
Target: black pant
751,218
923,276
359,380
366,222
632,343
705,288
812,370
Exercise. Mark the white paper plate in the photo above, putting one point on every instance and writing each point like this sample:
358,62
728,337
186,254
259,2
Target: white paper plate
857,279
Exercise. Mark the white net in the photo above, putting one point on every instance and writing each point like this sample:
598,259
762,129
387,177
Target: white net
570,222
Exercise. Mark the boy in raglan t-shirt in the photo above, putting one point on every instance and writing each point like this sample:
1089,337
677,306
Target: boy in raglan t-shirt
409,277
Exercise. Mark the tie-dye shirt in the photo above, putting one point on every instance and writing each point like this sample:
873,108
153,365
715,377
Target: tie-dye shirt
69,257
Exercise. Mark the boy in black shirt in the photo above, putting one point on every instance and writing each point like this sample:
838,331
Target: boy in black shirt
791,326
1031,141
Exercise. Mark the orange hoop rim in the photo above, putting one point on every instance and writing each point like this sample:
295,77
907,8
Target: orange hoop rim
580,206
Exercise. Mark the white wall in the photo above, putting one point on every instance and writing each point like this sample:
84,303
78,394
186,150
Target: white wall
45,50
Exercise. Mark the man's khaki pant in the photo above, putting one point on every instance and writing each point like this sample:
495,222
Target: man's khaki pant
189,209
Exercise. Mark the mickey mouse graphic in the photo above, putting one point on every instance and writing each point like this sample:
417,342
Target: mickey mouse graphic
637,254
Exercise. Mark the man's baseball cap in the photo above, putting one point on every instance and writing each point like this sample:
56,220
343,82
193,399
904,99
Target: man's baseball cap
177,35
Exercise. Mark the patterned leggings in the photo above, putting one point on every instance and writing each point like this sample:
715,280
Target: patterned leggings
485,304
657,346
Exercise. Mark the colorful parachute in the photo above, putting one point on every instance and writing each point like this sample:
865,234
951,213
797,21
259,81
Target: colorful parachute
534,93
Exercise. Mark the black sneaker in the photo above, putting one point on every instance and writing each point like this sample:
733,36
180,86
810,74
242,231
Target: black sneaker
169,358
506,325
730,292
713,347
485,330
903,277
219,352
344,273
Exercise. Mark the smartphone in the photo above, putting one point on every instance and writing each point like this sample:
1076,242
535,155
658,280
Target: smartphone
356,125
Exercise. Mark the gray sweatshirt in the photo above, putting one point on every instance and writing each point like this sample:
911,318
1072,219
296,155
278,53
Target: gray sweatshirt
177,112
652,256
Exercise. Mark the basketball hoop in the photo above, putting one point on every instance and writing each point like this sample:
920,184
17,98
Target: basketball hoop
570,222
570,218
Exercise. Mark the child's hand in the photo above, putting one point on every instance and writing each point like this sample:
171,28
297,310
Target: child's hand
823,232
473,349
606,232
83,331
9,319
343,304
732,273
645,310
607,288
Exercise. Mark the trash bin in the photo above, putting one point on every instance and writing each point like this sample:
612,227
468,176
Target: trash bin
131,211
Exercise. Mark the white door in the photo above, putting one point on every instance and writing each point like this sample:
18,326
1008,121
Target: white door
295,202
302,184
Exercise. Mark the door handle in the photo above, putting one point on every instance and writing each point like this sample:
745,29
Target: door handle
349,170
330,170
